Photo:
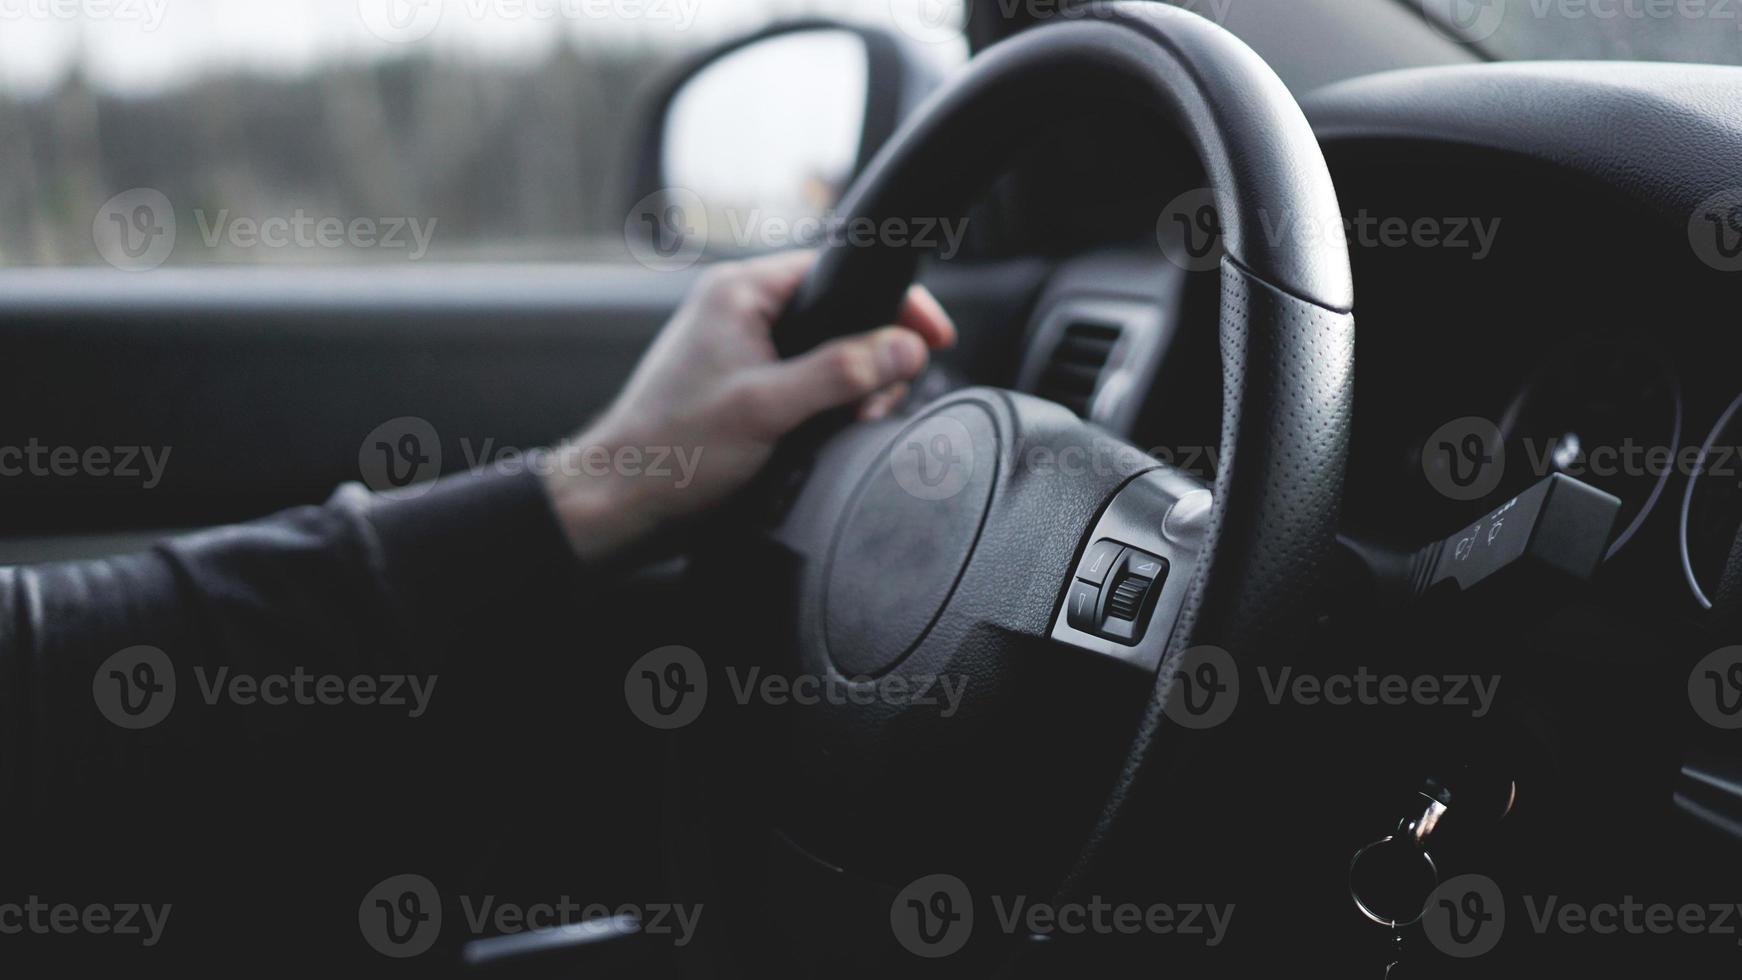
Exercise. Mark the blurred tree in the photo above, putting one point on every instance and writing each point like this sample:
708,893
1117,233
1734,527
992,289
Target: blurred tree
512,160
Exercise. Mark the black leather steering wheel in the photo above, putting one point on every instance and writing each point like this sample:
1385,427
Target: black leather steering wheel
884,562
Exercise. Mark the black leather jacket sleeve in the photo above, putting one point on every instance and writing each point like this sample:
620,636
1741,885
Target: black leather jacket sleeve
365,585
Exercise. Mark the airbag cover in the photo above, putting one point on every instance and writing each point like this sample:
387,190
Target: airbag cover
908,534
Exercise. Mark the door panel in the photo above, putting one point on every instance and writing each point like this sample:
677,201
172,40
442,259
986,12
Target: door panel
240,392
255,389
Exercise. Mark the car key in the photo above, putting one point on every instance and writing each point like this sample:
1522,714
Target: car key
1392,878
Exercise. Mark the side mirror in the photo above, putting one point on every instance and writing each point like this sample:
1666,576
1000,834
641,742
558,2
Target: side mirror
749,146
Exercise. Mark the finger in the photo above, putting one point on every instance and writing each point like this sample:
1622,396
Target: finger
778,276
923,314
752,292
881,404
840,372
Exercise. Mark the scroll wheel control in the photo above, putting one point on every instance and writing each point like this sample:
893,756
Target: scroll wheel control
1115,591
1127,598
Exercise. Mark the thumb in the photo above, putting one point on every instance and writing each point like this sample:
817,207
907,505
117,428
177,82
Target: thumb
841,372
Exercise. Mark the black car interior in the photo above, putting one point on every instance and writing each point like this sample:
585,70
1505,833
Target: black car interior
1275,405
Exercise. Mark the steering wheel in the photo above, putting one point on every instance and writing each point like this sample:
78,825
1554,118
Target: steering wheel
962,545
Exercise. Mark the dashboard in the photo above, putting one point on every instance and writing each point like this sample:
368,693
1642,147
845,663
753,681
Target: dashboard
1524,280
1589,329
1534,293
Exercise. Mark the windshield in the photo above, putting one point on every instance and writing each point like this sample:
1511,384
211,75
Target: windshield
1644,30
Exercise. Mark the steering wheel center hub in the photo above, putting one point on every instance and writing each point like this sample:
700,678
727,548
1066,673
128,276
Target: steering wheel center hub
908,534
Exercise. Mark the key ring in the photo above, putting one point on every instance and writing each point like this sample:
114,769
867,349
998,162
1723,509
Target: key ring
1391,878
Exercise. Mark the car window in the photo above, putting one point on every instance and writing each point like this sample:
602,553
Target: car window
191,132
1643,30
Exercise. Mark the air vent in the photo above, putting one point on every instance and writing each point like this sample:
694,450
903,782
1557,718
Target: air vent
1097,354
1073,372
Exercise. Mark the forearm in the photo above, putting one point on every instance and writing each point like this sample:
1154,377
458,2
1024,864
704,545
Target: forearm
399,592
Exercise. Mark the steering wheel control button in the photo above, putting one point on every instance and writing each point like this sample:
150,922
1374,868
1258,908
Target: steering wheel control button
1146,566
1154,527
1136,583
1082,607
1099,561
1127,598
1130,579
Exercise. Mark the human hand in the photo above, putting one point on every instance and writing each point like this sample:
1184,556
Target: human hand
713,396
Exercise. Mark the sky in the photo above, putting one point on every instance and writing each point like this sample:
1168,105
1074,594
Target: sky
141,46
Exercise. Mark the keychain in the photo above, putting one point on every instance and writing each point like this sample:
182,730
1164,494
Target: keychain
1391,879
